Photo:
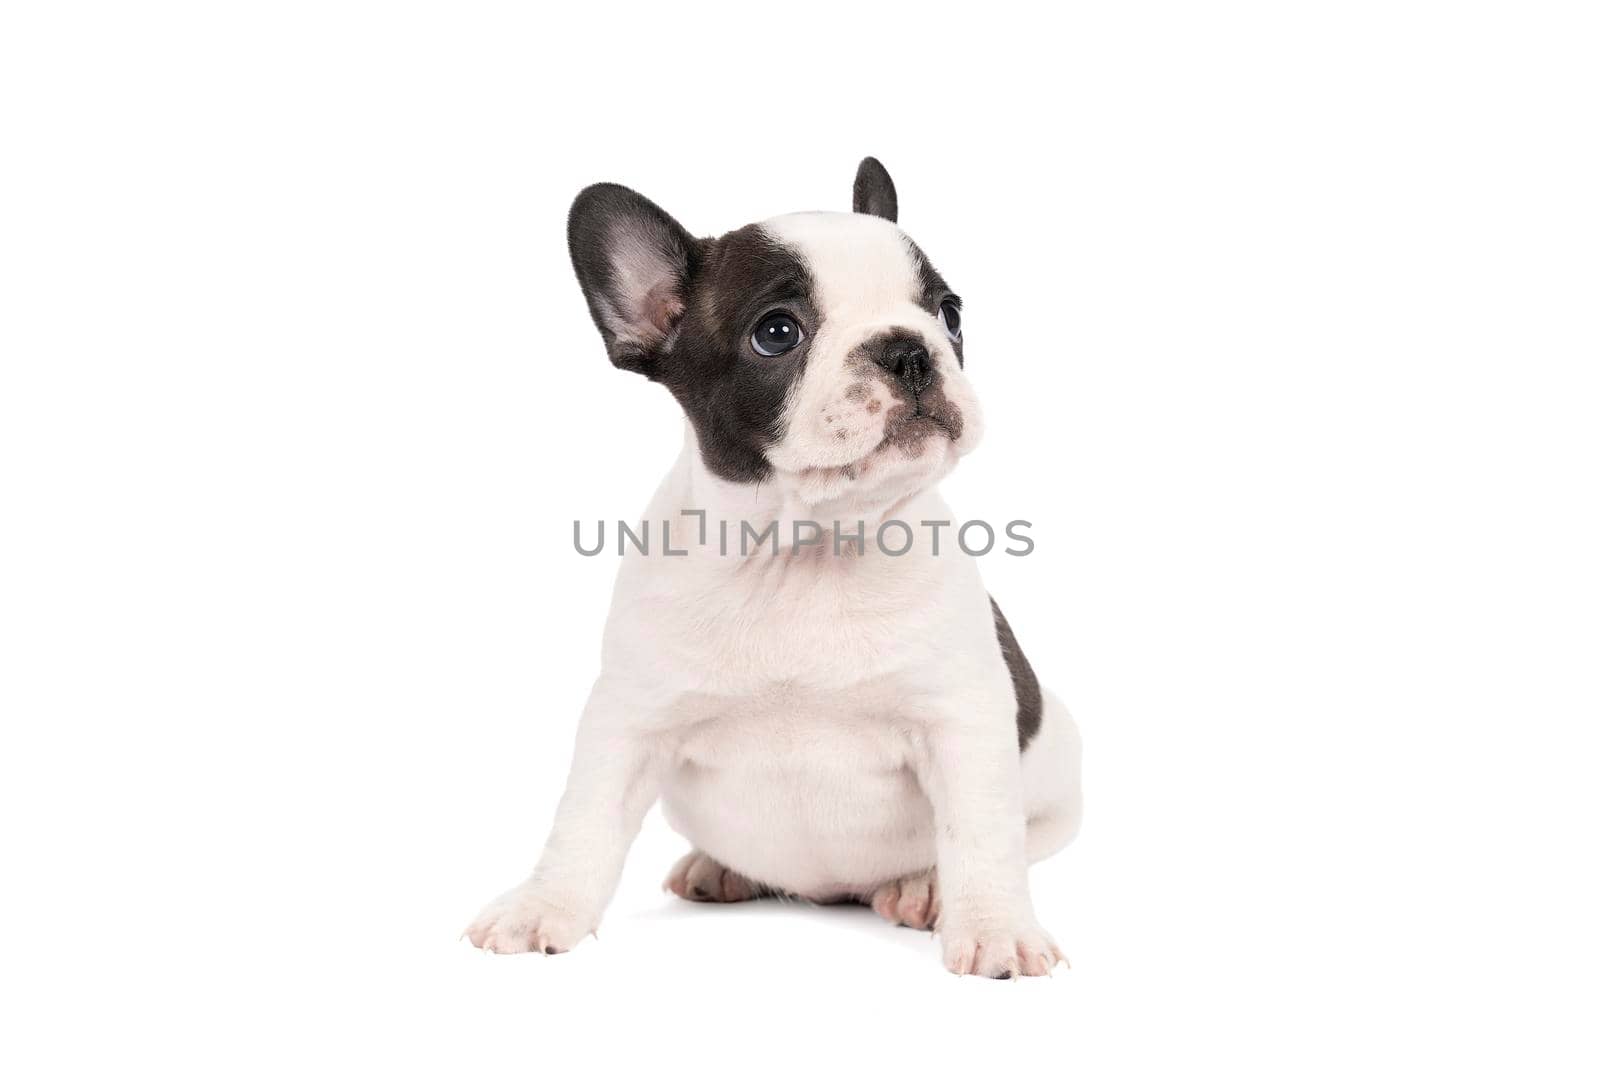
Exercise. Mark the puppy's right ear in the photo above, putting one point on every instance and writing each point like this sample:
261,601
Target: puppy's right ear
634,263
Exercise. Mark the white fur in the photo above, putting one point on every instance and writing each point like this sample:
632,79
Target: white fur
822,723
865,283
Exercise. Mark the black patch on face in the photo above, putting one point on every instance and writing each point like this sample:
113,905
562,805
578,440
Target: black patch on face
1030,700
933,290
734,397
680,311
874,193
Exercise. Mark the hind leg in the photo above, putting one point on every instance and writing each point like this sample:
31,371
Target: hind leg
698,877
1052,782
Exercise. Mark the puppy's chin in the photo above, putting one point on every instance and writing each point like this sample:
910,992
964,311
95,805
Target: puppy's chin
908,460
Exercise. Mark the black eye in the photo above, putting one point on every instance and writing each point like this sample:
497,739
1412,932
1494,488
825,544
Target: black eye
950,315
776,334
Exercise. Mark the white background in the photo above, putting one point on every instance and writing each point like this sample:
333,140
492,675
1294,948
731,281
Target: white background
1285,323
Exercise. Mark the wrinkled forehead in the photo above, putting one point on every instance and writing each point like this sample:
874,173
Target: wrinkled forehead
857,263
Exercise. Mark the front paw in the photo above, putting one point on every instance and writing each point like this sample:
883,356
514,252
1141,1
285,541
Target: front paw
998,950
523,920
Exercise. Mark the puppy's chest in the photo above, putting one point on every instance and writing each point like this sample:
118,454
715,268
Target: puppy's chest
790,731
799,628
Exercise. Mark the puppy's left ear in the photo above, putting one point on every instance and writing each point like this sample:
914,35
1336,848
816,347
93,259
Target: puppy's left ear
634,263
874,192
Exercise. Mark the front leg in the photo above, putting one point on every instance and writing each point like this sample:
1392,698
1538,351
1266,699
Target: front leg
615,777
972,774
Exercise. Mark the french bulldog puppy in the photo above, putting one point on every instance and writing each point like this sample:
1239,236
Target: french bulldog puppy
829,715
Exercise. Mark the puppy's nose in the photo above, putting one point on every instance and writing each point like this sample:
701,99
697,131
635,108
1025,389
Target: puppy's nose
909,362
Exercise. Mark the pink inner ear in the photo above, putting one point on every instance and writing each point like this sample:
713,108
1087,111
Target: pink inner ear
661,307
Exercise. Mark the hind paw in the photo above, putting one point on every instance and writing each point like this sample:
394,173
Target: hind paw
910,901
700,878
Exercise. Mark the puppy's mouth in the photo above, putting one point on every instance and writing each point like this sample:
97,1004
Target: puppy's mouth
908,431
918,440
906,437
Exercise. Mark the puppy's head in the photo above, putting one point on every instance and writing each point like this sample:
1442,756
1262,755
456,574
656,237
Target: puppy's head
818,352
